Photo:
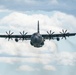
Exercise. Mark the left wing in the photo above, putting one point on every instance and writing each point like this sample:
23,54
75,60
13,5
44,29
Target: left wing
56,36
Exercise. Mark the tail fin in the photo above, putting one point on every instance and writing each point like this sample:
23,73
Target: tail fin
38,30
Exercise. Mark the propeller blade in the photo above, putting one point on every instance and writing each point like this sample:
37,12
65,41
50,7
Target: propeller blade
65,38
65,31
23,35
47,32
9,33
12,33
62,30
8,39
6,32
62,38
23,32
50,31
20,33
53,32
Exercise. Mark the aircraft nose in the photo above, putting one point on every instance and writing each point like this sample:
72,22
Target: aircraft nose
36,39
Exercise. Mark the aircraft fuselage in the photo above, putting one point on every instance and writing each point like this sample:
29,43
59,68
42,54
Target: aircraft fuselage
37,40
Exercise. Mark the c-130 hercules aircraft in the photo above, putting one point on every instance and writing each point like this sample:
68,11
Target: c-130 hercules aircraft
37,39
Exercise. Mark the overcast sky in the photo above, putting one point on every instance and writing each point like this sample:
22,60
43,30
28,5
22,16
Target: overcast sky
54,58
67,6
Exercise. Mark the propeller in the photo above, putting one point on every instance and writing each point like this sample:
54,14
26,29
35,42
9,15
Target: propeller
64,32
9,33
50,34
23,35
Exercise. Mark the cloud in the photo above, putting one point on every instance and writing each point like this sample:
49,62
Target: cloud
62,58
23,51
49,67
33,60
66,58
55,22
25,68
54,1
4,10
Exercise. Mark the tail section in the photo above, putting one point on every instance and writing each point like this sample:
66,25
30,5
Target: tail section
38,30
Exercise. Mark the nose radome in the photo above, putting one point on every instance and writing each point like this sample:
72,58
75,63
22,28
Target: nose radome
36,39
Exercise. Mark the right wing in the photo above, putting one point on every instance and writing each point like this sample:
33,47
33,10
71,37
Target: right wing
25,37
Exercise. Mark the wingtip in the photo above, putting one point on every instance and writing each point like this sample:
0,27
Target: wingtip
74,33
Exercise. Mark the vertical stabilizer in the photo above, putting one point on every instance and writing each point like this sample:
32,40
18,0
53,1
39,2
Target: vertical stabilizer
38,28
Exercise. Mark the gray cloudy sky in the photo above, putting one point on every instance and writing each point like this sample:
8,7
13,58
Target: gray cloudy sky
68,6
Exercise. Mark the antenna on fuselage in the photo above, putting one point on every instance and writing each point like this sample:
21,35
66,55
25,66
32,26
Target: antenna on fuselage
38,28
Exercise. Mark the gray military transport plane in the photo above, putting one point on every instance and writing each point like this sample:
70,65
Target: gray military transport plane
37,39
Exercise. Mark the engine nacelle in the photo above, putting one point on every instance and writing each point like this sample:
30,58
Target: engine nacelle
16,40
58,38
